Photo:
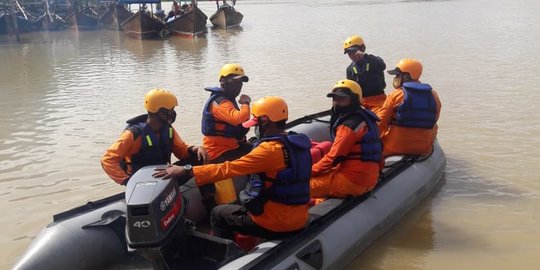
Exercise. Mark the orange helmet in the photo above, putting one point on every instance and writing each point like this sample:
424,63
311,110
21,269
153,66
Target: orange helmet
156,99
275,108
410,66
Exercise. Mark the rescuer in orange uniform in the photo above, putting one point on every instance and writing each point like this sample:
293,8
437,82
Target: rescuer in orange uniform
368,71
409,115
224,137
351,167
149,139
275,200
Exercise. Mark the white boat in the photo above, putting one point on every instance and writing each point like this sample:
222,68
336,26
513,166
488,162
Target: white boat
94,236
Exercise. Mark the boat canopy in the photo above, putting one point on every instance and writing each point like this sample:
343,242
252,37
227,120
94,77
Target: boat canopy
139,1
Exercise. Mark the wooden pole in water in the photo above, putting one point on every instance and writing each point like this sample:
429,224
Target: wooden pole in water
14,20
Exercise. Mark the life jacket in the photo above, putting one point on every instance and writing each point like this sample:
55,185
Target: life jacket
419,109
154,150
291,185
370,143
208,125
369,74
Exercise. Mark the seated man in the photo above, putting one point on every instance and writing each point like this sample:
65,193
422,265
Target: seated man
351,167
409,115
275,202
224,137
149,139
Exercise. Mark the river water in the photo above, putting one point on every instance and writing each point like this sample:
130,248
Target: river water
65,96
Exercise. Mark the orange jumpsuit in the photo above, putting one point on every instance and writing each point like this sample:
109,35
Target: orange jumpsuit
126,146
226,112
216,146
399,140
374,103
267,157
351,176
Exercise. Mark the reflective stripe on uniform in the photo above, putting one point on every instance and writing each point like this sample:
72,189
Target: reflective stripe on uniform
148,140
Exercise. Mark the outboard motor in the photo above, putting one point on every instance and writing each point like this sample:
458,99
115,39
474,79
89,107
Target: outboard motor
155,209
157,229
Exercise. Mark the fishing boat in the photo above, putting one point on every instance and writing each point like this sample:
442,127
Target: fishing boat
48,20
158,220
143,24
81,19
16,21
82,22
190,22
114,15
226,17
7,26
51,22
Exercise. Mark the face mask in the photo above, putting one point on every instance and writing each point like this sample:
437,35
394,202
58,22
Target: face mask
397,82
339,109
166,117
344,109
171,117
260,129
257,132
233,88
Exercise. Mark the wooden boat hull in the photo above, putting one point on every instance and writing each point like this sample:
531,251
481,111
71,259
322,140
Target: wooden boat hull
114,16
142,25
24,25
226,17
82,22
192,23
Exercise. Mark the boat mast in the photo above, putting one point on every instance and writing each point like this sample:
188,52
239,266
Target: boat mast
48,10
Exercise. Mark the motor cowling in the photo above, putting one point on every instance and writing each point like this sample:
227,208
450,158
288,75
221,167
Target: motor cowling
154,209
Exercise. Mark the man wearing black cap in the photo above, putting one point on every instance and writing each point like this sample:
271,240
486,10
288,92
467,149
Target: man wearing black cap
368,71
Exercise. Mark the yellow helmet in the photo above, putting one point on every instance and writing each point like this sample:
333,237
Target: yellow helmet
408,65
353,41
274,107
353,86
159,98
233,69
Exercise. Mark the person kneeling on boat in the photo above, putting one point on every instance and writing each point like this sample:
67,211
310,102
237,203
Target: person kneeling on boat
274,205
149,139
409,115
352,165
224,136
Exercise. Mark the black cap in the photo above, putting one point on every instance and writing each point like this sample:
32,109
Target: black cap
351,49
395,71
340,92
237,77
